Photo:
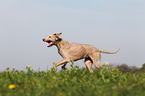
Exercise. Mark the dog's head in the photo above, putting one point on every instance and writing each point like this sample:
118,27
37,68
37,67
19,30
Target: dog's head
52,39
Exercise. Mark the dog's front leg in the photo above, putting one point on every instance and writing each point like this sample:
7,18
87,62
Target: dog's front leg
64,61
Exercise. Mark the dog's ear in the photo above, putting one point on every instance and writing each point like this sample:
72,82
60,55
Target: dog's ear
58,36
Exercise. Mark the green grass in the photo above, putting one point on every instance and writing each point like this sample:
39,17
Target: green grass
76,82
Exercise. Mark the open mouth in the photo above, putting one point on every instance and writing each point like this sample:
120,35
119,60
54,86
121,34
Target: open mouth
49,43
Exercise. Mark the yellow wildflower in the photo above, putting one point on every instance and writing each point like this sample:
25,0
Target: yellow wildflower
12,86
106,64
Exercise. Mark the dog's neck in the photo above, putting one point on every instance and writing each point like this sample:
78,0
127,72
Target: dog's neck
59,44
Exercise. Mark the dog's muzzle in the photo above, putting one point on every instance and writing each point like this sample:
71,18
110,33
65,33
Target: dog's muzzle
43,40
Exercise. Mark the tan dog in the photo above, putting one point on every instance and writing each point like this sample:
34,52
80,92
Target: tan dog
74,51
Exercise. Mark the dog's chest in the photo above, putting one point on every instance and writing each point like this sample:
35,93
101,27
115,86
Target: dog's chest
61,52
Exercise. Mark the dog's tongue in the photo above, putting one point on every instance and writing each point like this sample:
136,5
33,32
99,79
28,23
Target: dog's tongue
50,44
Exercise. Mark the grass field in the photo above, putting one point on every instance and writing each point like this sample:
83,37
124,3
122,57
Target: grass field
76,82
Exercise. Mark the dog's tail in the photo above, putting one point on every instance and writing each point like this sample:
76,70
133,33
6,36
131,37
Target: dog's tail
102,51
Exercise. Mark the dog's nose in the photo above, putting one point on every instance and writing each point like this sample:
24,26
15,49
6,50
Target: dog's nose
43,39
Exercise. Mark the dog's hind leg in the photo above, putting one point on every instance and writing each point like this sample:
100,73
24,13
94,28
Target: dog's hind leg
88,63
96,59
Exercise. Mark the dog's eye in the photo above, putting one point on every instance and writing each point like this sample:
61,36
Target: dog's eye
49,36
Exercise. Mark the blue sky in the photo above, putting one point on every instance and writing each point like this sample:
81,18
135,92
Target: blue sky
105,24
